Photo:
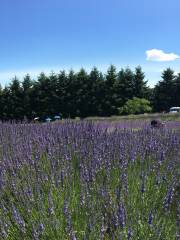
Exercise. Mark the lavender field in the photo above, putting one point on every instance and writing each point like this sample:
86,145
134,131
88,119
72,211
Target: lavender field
86,180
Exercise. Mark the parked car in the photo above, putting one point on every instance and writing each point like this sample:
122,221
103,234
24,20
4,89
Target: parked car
174,110
48,119
57,117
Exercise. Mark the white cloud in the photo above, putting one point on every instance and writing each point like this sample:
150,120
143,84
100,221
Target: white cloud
160,56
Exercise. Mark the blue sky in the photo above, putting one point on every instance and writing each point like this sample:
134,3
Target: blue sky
45,35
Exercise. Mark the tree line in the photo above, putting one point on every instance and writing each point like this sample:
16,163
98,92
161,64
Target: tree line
85,94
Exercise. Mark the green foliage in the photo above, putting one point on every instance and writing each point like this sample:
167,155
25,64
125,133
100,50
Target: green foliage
167,91
85,94
109,98
136,106
176,91
125,85
140,86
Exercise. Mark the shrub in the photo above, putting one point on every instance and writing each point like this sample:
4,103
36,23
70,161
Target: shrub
136,106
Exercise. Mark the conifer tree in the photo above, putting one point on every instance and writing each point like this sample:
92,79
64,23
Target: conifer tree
110,97
140,85
164,92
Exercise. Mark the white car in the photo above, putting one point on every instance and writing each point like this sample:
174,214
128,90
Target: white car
174,110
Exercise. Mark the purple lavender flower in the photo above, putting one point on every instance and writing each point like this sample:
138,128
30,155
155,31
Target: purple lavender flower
143,182
178,216
41,227
103,230
150,218
168,198
130,233
50,203
73,236
121,214
18,219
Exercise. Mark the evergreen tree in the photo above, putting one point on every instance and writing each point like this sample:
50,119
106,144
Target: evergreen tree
118,88
61,93
70,95
6,111
125,86
164,91
15,100
110,94
27,86
42,96
96,93
176,91
81,99
54,97
140,85
1,102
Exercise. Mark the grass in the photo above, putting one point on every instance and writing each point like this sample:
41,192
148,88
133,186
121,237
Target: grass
162,116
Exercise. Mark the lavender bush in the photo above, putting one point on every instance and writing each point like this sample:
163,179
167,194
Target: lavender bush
89,180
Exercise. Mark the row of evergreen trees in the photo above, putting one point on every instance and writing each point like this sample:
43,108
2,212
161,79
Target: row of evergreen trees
85,94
